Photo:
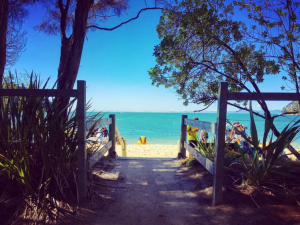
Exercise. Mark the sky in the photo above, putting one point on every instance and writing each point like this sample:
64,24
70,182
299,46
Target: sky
114,64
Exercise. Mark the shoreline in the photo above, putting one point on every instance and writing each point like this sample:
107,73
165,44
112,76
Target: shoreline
163,151
149,150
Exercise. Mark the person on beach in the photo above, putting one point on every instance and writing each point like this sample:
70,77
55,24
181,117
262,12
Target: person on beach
105,132
93,134
192,134
203,136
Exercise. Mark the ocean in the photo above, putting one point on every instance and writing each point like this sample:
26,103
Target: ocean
164,128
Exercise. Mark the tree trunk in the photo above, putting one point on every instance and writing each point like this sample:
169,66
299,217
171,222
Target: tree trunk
71,51
3,29
71,48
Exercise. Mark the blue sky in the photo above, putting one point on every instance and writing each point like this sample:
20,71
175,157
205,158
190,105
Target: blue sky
115,64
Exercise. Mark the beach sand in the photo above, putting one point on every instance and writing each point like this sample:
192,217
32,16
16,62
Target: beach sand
149,151
163,151
291,155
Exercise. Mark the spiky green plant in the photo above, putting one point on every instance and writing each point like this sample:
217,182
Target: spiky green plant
263,163
38,155
207,149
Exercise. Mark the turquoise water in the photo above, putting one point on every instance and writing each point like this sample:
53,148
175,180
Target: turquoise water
164,128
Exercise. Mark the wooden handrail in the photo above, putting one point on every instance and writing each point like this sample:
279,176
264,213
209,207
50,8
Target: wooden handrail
101,123
110,146
119,137
39,92
202,125
80,93
206,162
263,96
98,155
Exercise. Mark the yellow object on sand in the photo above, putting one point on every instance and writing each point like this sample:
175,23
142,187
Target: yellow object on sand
142,141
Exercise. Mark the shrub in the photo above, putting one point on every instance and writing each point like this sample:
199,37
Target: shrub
38,155
263,163
207,149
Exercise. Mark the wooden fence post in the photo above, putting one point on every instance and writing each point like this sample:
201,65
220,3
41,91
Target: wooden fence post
220,144
182,151
112,136
178,147
82,160
124,151
120,139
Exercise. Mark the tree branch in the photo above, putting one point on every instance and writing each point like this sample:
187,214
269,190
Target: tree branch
205,107
243,108
63,19
12,3
121,24
223,74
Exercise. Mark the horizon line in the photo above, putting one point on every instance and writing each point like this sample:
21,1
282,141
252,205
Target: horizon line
173,111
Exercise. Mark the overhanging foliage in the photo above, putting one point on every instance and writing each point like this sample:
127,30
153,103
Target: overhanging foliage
202,45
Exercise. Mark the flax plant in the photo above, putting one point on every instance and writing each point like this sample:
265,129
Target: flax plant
264,162
206,148
38,156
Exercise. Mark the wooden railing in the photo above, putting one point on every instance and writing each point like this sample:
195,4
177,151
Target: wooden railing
80,94
110,146
122,143
202,125
98,155
216,167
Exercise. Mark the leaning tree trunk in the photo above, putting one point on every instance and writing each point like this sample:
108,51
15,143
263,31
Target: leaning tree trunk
3,29
71,48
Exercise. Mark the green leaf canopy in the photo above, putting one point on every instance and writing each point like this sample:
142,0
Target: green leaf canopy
202,45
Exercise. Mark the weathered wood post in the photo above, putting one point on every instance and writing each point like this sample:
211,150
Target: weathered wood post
178,146
120,140
124,152
182,151
112,136
82,161
220,144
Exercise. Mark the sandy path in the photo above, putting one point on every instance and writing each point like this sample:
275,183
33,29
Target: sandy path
152,192
150,197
